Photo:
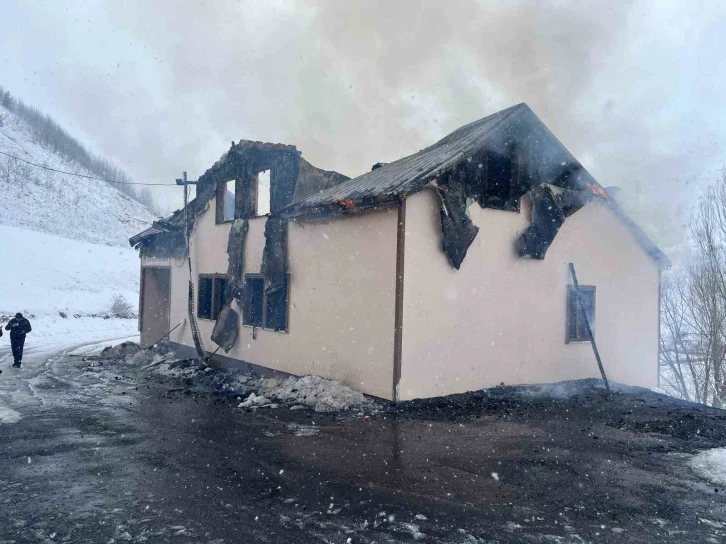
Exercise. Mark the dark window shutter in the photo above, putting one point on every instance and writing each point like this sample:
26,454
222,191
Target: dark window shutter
276,314
254,301
204,298
219,299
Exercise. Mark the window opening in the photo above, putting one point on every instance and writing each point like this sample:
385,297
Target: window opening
226,200
229,200
262,193
576,328
265,310
210,299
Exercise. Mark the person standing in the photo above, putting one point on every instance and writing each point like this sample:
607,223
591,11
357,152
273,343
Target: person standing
18,327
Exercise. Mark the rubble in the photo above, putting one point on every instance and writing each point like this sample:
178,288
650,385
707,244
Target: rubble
122,350
316,392
257,401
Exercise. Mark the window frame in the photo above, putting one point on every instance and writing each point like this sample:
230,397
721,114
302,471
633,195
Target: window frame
580,336
221,201
264,305
216,279
255,193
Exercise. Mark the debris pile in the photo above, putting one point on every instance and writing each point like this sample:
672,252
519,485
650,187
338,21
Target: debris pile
121,351
320,394
316,392
257,401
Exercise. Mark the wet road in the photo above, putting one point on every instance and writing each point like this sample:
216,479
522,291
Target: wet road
108,453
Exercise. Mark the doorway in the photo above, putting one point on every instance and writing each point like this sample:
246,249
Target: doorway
155,302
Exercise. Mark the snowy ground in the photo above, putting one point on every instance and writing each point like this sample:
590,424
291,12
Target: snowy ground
44,274
44,201
710,465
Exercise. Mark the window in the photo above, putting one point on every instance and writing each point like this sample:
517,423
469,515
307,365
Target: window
576,327
262,193
210,296
254,301
226,200
261,309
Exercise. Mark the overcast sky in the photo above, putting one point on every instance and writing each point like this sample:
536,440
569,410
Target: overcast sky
634,89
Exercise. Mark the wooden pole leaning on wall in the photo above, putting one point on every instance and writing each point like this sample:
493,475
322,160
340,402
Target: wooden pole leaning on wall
165,335
588,328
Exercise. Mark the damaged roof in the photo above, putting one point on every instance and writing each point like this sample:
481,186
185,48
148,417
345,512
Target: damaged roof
293,179
515,133
495,160
499,132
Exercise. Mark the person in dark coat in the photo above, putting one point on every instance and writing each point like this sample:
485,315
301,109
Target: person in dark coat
18,327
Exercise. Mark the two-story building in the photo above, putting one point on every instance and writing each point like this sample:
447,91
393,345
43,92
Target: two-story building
442,272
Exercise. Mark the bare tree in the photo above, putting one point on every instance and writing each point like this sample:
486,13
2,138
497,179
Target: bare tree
675,353
693,309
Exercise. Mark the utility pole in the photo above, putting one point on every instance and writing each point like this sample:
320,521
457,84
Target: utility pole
196,336
185,182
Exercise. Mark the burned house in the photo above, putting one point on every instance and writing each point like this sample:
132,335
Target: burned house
441,272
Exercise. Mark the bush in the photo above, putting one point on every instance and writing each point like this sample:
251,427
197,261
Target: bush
120,307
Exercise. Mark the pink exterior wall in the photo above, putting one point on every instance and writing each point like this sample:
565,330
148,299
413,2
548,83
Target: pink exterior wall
342,297
502,319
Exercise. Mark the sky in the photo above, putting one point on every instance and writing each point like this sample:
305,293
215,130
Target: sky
635,90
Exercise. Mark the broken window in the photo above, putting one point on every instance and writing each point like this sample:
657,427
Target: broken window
226,200
261,196
577,312
261,309
211,296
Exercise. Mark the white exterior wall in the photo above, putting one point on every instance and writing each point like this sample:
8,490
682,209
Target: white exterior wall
341,297
502,319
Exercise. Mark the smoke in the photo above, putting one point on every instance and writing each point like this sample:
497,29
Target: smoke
164,86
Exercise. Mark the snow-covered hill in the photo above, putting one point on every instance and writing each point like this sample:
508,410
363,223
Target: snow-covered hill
68,206
44,274
63,244
47,277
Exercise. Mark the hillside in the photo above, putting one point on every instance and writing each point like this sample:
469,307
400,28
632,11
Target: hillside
65,277
64,205
60,274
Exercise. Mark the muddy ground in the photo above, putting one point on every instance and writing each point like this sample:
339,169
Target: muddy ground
104,452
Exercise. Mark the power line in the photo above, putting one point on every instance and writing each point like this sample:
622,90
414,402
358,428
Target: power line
82,175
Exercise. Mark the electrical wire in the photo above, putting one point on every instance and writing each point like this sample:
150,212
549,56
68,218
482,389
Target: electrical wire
84,176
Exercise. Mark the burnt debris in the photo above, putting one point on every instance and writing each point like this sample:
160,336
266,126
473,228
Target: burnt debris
551,205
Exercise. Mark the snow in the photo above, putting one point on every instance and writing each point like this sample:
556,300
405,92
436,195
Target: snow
64,249
572,388
68,206
52,334
8,415
321,394
44,274
710,465
88,350
257,401
303,430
